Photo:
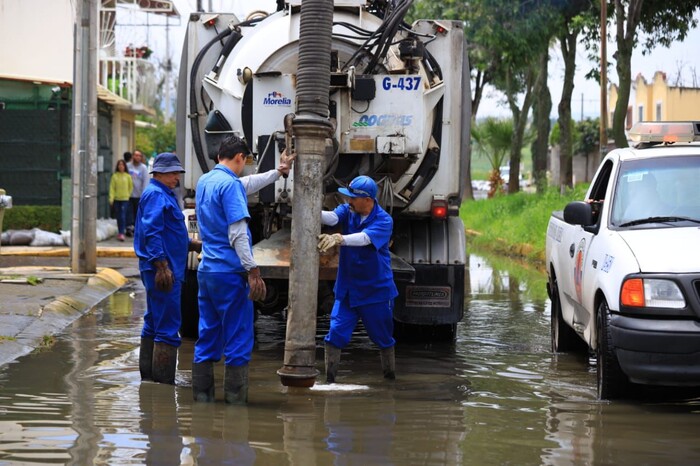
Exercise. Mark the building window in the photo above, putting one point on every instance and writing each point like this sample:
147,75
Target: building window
658,111
640,113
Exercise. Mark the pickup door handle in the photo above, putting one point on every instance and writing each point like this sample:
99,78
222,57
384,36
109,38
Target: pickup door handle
572,249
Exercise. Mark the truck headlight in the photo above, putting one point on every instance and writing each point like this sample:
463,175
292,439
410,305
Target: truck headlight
651,292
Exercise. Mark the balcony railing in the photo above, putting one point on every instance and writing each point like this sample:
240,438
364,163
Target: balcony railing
132,79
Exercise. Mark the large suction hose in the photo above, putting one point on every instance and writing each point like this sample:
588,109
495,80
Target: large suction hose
312,129
313,73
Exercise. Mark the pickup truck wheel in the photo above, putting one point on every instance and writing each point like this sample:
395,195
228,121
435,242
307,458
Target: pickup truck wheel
612,382
564,338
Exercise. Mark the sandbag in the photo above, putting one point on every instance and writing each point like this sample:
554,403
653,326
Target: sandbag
17,237
46,238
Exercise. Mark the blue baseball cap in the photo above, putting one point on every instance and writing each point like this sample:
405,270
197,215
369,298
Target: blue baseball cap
167,162
362,186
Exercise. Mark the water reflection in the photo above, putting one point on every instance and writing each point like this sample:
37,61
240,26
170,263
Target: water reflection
494,396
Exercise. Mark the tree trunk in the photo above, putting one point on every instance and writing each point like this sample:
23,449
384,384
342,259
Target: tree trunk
568,50
481,79
519,124
623,64
540,114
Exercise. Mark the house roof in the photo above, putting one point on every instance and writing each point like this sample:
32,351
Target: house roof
103,93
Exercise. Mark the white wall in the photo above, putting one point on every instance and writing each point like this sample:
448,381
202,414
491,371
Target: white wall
37,39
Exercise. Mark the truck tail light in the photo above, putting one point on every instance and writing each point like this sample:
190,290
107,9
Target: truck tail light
632,293
438,209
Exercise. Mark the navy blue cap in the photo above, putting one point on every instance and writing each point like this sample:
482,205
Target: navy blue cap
362,186
167,162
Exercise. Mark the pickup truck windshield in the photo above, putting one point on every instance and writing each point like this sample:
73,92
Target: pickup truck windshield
661,188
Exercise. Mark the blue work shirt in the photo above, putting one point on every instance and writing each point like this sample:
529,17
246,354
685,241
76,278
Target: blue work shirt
160,232
364,273
221,201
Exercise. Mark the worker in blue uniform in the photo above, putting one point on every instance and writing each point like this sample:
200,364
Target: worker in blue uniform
161,243
228,276
364,287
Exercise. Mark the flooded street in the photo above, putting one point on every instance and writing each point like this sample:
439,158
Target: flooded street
494,396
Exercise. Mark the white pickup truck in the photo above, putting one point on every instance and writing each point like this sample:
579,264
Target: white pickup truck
624,263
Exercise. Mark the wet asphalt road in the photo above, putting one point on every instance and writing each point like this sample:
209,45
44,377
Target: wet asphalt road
494,396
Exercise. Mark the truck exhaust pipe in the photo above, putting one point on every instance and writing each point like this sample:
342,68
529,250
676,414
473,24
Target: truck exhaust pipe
311,129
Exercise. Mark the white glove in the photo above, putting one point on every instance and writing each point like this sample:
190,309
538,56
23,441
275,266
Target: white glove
327,242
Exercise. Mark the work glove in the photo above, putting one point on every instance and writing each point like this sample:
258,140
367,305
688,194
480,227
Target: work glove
257,285
195,245
285,163
164,276
327,242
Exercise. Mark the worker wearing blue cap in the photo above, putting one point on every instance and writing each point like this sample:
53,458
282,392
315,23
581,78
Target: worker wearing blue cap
364,287
161,243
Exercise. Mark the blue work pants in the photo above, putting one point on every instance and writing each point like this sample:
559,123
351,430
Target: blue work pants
162,318
225,319
378,319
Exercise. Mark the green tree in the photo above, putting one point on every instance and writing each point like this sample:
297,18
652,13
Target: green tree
661,22
156,138
541,109
523,35
574,16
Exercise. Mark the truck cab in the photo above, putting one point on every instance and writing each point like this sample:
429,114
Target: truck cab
624,275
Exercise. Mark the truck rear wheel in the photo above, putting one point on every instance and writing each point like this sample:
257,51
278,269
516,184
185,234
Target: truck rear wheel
612,382
564,338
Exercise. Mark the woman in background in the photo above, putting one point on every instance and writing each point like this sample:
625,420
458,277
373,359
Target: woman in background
120,187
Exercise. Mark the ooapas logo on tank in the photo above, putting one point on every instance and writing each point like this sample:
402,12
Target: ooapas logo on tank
384,120
277,99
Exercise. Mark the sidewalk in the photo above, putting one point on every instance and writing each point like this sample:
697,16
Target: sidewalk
39,301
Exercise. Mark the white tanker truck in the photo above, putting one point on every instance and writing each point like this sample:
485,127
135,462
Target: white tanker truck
399,107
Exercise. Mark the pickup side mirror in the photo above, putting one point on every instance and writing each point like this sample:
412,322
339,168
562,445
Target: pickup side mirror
578,213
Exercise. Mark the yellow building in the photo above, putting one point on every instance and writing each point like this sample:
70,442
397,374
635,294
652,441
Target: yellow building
657,101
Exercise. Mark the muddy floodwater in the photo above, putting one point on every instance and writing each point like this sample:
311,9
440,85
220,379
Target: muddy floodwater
494,396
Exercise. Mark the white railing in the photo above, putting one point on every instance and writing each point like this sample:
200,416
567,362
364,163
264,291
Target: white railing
132,79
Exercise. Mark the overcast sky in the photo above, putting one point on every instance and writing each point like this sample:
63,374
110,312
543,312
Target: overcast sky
586,99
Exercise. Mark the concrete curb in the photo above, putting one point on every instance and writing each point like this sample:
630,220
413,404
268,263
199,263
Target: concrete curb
61,251
60,313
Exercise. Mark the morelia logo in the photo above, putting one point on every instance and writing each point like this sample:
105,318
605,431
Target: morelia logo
277,99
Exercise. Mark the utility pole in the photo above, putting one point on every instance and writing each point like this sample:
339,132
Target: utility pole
168,69
84,148
603,79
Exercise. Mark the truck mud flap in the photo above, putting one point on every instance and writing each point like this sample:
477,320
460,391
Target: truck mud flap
435,298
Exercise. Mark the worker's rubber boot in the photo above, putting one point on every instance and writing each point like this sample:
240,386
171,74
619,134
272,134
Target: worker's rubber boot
332,359
236,384
388,363
146,358
164,363
203,381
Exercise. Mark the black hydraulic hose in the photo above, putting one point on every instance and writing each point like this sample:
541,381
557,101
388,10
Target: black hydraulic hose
391,25
313,72
194,116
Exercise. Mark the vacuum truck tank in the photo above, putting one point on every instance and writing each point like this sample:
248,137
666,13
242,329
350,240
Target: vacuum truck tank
399,104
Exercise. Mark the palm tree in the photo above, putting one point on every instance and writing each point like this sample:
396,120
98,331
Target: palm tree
493,137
